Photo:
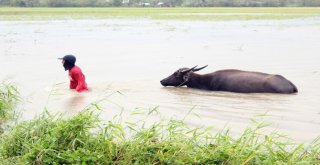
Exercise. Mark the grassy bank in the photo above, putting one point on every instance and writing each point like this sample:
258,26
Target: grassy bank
7,13
84,139
8,99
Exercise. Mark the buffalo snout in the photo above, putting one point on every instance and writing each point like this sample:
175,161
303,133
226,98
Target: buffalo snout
164,82
171,81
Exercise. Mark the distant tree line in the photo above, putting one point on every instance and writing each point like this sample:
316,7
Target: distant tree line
161,3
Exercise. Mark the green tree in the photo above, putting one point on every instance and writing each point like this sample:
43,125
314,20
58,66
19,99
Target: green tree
116,3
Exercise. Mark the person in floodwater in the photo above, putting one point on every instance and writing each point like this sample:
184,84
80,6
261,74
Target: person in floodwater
77,78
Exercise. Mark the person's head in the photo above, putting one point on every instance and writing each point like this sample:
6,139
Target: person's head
68,61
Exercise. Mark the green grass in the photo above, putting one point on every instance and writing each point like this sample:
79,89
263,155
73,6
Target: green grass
8,13
9,96
84,139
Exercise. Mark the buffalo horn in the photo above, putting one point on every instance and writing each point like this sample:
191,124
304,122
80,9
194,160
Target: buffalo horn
188,70
197,69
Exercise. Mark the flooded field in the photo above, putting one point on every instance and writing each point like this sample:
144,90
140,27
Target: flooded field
124,60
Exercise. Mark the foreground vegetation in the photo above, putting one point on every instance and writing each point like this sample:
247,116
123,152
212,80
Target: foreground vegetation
8,99
7,13
84,139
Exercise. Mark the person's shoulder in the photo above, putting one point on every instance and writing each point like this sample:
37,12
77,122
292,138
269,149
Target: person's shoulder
76,69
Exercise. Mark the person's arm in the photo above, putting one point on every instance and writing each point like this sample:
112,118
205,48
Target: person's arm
73,82
80,81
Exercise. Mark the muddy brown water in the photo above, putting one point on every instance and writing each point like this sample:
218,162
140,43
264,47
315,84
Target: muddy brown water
124,60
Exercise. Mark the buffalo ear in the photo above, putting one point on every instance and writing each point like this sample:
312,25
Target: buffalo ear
186,77
197,69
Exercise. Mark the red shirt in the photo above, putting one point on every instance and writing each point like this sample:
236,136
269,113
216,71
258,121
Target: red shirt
77,79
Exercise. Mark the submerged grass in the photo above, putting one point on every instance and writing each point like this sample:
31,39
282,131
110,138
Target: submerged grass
11,13
84,139
9,96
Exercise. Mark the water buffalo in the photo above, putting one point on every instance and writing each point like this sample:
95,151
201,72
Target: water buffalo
230,80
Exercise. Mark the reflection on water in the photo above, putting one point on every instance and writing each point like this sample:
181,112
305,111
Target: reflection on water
75,102
124,60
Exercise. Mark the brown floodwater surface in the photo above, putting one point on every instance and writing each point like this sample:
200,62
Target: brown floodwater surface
124,60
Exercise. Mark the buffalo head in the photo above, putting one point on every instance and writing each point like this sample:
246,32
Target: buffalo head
179,77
